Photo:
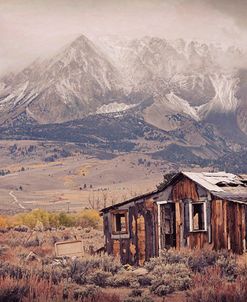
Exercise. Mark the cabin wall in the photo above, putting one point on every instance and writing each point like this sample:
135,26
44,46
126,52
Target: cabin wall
226,220
184,190
141,243
229,222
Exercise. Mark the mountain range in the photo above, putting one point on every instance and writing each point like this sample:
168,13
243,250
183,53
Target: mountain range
187,97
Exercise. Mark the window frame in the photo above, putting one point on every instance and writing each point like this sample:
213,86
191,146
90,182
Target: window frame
113,222
204,205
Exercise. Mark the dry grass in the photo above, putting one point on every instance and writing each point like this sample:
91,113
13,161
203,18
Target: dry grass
205,276
39,290
211,287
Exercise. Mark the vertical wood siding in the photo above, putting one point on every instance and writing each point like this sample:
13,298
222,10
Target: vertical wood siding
226,221
228,225
142,243
182,191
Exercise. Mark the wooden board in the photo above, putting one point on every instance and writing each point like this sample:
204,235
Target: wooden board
69,248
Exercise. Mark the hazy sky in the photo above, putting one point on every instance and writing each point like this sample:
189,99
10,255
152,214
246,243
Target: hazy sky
32,28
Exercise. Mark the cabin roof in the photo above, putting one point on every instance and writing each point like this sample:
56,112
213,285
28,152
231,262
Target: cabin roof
211,180
221,184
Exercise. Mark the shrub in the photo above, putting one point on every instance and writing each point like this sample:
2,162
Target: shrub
202,259
88,218
12,271
132,299
34,242
21,228
162,288
28,289
147,299
87,292
152,263
172,257
13,292
3,250
123,280
3,222
145,280
228,267
92,263
136,293
99,278
30,219
79,279
66,220
167,257
221,291
170,277
40,219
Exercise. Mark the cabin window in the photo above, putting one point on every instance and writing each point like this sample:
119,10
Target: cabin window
198,217
119,222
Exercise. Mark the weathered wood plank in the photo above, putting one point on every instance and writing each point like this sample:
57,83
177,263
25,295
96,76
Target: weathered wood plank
133,236
178,224
185,188
141,238
116,248
224,225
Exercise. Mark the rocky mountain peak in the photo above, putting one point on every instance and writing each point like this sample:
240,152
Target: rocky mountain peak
177,77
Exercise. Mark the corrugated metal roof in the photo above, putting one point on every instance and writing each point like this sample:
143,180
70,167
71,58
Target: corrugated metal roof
235,197
207,180
224,185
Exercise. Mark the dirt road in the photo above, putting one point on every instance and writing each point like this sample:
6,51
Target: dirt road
16,200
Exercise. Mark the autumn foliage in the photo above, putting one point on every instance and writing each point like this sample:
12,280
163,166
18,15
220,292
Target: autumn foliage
42,218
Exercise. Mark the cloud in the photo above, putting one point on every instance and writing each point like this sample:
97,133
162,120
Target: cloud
236,9
32,28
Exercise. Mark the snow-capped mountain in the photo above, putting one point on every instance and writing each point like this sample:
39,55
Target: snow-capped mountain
154,78
190,78
67,86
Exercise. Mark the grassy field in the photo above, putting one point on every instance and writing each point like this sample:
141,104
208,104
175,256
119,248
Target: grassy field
64,177
73,182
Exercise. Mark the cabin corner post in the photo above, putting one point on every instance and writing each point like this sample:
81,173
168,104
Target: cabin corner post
159,231
244,227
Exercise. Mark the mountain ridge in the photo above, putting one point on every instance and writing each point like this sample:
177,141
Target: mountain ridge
166,84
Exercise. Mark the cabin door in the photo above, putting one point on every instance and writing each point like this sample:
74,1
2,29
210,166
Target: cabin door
167,226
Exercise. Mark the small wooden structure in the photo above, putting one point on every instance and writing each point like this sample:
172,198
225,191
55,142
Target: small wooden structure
192,210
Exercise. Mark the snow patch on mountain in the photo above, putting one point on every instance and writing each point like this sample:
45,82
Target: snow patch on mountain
14,98
113,107
224,101
180,105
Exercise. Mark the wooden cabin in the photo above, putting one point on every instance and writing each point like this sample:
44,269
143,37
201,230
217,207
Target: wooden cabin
191,210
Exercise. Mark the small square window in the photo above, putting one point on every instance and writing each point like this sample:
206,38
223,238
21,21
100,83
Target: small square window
119,222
